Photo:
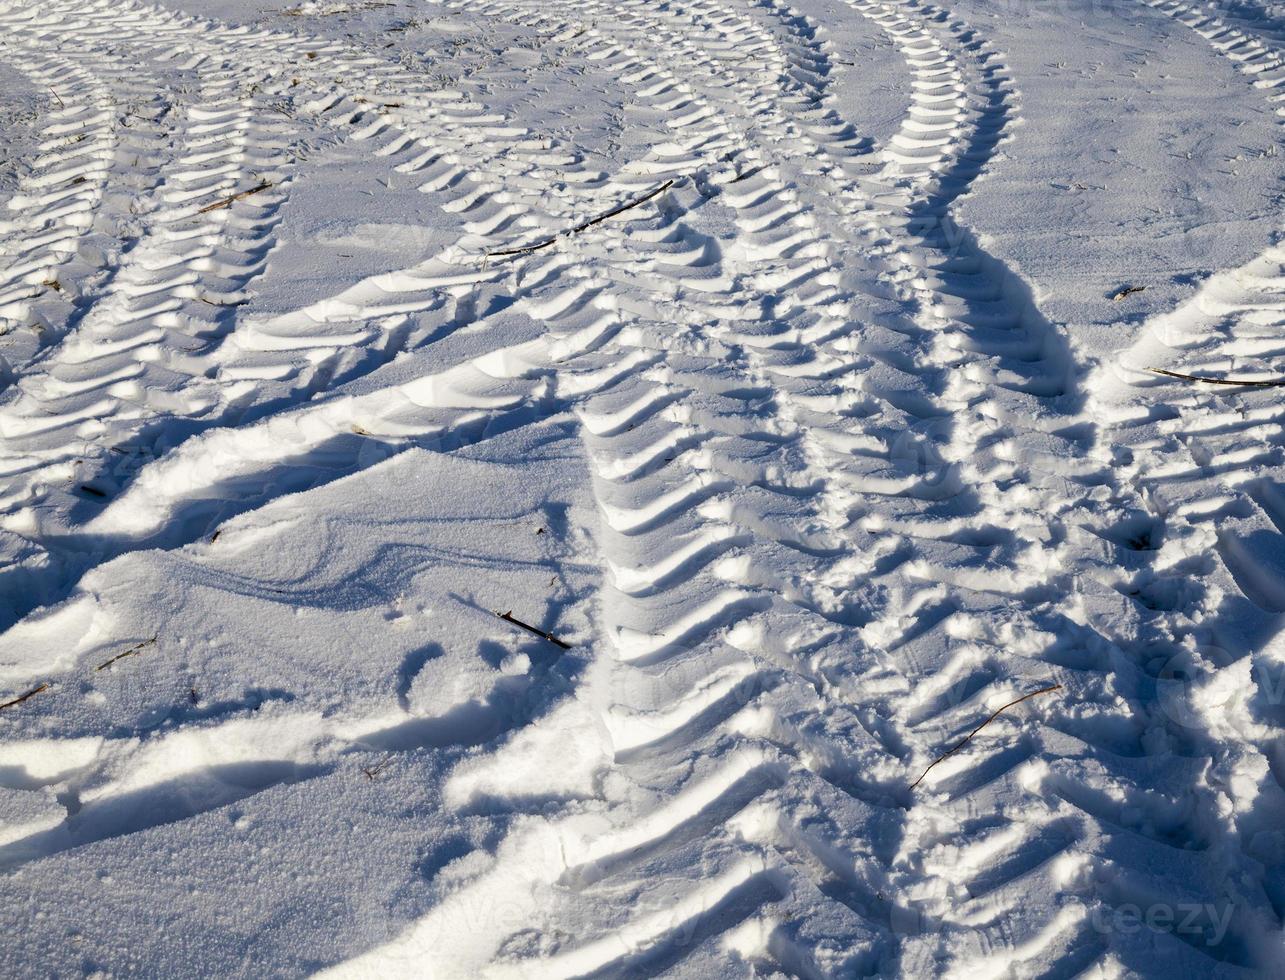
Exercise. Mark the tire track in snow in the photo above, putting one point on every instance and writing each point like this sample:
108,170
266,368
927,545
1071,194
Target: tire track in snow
1204,535
1073,932
1066,817
73,210
771,634
800,944
642,452
649,455
468,398
429,133
706,617
139,352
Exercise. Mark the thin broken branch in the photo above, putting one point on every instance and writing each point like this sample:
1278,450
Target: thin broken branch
968,737
623,207
523,250
577,229
137,648
23,697
1266,383
227,202
508,617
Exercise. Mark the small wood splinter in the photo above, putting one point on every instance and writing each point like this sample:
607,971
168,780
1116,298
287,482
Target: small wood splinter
508,617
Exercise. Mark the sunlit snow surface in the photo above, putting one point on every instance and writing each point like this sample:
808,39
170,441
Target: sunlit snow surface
785,370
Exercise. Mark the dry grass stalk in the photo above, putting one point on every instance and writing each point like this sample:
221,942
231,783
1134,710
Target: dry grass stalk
1265,383
23,697
137,648
946,755
227,202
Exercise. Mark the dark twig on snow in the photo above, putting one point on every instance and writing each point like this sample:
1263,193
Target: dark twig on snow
1266,383
136,648
523,250
23,697
620,209
965,740
233,198
752,172
1124,291
508,617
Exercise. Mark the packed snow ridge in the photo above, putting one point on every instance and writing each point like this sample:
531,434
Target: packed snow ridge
701,488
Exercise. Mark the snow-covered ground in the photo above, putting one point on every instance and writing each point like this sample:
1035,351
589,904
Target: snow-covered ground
786,365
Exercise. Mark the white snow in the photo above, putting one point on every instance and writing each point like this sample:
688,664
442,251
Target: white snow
784,373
